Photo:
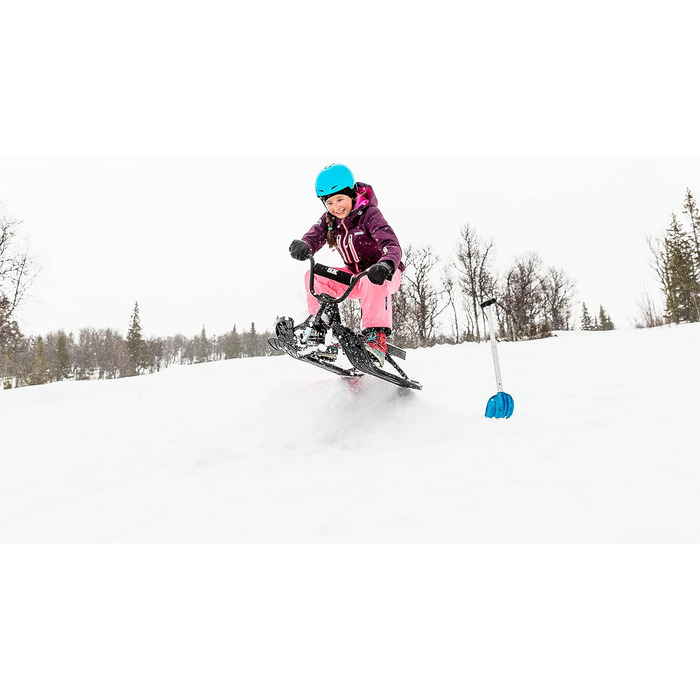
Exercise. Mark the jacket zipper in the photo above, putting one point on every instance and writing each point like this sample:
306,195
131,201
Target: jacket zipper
348,247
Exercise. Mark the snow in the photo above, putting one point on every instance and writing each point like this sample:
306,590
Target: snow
601,449
319,498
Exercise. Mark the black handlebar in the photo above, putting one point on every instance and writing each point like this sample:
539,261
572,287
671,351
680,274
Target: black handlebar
327,297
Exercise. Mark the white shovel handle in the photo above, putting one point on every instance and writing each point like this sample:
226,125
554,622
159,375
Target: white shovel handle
487,306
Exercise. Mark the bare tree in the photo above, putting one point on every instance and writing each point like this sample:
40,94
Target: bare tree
449,289
16,276
85,359
476,280
423,296
659,262
523,298
650,317
402,330
16,267
352,314
557,291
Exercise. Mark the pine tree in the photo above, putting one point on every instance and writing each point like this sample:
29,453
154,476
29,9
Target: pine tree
135,343
38,372
690,209
681,285
604,321
201,347
232,347
10,339
63,365
586,321
10,334
253,345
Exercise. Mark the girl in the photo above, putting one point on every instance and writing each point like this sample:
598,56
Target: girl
354,226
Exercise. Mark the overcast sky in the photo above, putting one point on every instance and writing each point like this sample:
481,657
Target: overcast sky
199,241
168,156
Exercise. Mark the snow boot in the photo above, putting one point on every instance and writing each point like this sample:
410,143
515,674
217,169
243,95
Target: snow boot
375,344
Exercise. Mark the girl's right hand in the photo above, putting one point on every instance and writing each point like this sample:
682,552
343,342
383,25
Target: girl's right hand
299,250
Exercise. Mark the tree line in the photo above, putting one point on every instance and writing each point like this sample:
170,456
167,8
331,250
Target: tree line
442,303
106,354
438,302
533,300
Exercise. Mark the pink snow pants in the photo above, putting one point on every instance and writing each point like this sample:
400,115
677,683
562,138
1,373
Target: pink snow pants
375,299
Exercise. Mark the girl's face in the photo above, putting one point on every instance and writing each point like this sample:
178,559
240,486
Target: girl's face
340,205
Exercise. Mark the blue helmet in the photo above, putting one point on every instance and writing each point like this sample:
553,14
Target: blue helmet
332,179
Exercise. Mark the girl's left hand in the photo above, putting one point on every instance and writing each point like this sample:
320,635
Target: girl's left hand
379,272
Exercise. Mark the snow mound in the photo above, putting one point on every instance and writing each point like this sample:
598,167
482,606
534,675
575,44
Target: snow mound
599,449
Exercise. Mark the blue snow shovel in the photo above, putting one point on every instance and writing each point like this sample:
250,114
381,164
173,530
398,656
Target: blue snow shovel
501,405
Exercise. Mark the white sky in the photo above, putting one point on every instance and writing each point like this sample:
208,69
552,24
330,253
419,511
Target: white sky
168,156
192,240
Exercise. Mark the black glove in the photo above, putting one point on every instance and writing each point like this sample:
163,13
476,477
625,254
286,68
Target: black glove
299,250
380,272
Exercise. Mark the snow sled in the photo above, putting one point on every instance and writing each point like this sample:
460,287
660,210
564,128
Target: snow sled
323,340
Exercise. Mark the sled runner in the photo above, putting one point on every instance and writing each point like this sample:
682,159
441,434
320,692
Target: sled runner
322,338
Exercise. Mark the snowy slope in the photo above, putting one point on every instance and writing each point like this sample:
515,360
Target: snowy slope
601,448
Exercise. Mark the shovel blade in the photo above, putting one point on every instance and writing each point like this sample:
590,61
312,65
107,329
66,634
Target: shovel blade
500,406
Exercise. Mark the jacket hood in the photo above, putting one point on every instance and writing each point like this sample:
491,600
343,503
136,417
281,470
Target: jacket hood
365,196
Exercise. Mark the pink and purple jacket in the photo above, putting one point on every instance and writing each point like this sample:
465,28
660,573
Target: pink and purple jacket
363,236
